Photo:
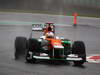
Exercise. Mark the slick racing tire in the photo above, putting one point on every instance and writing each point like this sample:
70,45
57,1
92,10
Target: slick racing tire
78,47
33,47
20,46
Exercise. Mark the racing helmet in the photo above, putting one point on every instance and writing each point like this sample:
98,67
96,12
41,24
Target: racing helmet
50,35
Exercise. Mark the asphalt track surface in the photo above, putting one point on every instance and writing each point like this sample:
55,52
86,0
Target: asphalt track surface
8,66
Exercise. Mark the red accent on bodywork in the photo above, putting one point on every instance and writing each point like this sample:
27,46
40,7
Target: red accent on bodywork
54,42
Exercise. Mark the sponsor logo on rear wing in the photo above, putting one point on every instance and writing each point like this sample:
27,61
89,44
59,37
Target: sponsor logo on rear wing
40,27
37,27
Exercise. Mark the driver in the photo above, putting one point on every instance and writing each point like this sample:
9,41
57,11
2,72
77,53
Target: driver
49,35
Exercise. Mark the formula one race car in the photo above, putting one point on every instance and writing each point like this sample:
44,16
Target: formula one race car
50,47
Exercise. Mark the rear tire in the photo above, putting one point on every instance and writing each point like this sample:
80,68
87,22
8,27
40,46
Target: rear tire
20,46
79,48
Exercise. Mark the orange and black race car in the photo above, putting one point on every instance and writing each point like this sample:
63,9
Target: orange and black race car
50,47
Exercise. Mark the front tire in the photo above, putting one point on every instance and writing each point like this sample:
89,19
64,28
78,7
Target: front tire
33,47
20,46
79,48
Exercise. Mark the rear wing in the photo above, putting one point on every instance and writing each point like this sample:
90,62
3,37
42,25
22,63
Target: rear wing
41,27
37,27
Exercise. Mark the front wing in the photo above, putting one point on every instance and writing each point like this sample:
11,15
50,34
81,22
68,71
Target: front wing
48,58
71,57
